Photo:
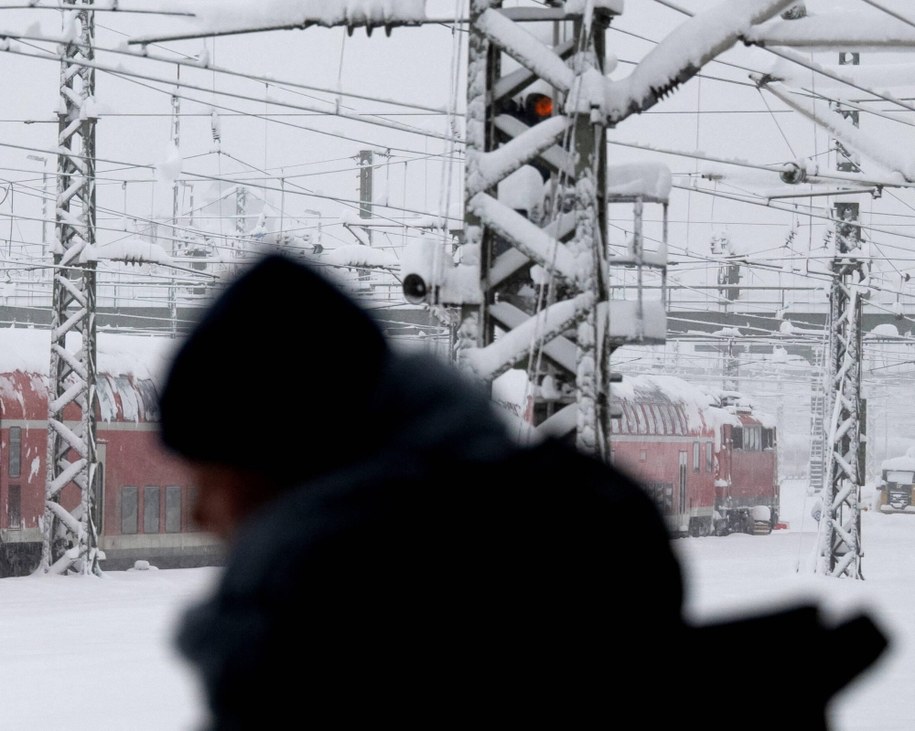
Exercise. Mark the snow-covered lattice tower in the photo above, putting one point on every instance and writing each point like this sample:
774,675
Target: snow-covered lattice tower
839,543
542,269
70,539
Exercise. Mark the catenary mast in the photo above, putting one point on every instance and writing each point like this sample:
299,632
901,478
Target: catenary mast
839,541
70,540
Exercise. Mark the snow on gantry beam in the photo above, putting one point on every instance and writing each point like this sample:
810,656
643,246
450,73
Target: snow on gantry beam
233,17
497,164
497,357
890,157
839,31
554,156
647,180
560,350
680,55
526,49
525,236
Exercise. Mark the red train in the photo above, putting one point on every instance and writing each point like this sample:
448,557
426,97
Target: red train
143,510
709,460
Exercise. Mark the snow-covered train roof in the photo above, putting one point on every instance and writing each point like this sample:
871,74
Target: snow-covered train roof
144,357
704,407
130,371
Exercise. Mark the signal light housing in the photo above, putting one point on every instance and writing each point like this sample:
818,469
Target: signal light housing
538,107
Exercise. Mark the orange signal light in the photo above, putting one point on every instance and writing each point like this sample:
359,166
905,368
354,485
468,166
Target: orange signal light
540,105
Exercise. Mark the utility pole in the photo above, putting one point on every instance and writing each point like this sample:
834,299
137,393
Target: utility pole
176,141
839,542
44,202
241,210
728,292
365,163
70,521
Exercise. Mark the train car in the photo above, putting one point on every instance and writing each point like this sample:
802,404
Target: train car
143,494
708,459
894,490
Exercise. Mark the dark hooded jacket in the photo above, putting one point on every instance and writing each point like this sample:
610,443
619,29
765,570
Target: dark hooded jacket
425,570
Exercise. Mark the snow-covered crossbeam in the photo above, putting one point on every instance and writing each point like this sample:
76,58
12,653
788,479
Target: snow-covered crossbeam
226,17
560,350
131,251
647,180
680,55
524,235
497,357
526,49
491,167
840,31
889,156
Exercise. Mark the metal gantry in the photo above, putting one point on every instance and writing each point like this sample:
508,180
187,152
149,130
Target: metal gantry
69,526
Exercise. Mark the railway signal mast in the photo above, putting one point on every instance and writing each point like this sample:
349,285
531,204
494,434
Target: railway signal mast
70,541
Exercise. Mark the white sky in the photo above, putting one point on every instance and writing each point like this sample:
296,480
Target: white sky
128,677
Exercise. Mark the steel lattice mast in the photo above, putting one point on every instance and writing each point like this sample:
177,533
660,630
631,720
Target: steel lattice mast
503,244
839,542
70,541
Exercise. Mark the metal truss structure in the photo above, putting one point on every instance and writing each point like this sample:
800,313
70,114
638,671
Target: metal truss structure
70,541
839,542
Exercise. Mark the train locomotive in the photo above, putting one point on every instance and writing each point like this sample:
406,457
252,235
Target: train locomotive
709,459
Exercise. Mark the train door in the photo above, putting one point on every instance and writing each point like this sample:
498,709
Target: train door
682,505
98,504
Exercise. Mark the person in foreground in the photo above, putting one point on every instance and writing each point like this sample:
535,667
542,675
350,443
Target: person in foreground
395,557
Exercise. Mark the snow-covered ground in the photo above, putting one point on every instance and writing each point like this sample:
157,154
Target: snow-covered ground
90,654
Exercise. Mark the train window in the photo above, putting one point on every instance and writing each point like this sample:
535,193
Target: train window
737,437
626,420
709,458
15,458
751,440
98,500
659,419
681,420
192,492
697,466
173,509
129,510
649,414
151,509
768,438
14,507
641,419
664,411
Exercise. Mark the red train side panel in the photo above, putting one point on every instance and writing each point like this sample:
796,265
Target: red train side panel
143,505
